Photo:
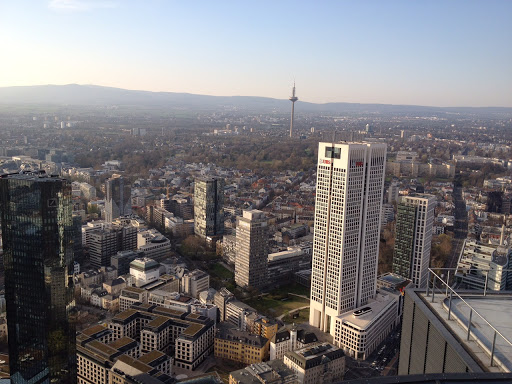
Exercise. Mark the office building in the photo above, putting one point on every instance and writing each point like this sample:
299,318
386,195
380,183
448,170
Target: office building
144,271
221,298
251,264
485,266
350,181
393,192
118,201
414,225
37,234
209,207
283,265
317,363
122,259
359,332
195,282
105,243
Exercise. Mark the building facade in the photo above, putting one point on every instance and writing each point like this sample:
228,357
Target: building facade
350,181
209,207
37,234
317,363
251,264
414,226
118,201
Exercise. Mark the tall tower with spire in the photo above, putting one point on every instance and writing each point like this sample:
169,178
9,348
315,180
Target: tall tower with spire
293,99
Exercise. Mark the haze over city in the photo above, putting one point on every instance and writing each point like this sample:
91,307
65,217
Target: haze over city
283,192
396,52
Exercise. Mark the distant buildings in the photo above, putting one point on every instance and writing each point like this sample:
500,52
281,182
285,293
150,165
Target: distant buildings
252,250
414,225
350,180
118,200
484,266
209,207
37,234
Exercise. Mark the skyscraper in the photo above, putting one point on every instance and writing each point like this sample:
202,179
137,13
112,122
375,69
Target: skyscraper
209,207
118,200
252,249
414,222
350,181
37,230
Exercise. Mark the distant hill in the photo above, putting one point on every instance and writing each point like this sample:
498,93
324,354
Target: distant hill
93,95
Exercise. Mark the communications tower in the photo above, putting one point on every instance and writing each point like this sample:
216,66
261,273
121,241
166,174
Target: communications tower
293,99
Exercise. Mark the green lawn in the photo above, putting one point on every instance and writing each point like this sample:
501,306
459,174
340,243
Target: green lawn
292,288
275,305
221,272
303,317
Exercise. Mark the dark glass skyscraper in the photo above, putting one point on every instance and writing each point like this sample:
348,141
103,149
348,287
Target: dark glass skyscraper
37,230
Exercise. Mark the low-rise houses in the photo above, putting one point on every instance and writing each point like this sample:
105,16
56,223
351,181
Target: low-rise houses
274,371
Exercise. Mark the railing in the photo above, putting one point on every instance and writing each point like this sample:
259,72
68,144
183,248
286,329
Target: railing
437,282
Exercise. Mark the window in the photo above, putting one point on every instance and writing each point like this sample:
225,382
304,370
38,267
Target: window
333,152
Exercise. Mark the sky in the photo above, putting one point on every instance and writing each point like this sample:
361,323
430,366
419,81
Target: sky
441,53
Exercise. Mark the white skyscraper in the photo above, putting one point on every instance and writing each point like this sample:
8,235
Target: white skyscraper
350,181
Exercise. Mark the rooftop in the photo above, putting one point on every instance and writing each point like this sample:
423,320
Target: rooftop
363,317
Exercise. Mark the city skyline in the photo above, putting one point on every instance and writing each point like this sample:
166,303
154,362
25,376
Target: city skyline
421,53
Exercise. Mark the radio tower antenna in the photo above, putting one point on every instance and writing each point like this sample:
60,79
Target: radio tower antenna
293,99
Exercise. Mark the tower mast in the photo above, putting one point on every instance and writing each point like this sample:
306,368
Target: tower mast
293,99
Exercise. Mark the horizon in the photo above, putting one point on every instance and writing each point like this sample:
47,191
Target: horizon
253,96
425,53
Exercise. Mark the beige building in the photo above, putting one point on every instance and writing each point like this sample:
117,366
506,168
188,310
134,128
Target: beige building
195,282
251,263
188,334
240,346
317,364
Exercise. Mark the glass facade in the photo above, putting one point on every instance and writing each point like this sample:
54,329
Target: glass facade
37,229
404,240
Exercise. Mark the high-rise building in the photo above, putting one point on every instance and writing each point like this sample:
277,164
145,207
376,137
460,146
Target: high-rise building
414,225
350,181
252,250
37,230
106,242
209,207
118,201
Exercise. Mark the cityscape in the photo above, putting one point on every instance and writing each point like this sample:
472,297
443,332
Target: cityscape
288,232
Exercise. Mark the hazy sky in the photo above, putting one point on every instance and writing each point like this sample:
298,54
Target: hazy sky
446,53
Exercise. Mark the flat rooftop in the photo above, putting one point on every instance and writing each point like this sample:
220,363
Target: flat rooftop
368,312
495,308
498,312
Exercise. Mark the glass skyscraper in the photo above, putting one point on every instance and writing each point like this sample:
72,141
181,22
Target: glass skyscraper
37,231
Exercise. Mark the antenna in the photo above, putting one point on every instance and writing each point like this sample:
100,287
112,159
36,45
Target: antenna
293,99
